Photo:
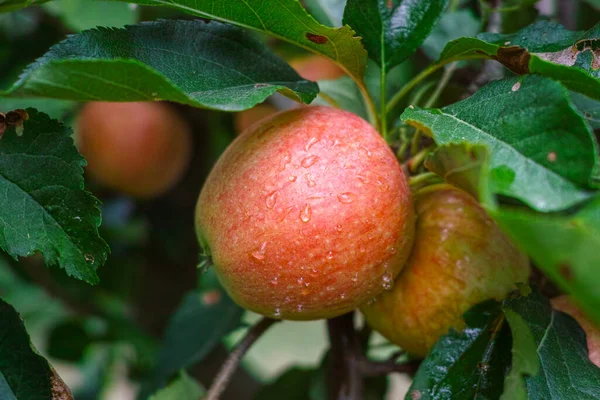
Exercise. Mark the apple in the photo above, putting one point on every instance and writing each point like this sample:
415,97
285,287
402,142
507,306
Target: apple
245,119
460,258
306,215
140,149
592,332
316,68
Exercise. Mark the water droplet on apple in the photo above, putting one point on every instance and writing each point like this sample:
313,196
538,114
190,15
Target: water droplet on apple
301,280
387,278
355,277
299,308
362,249
338,227
343,296
313,140
369,154
306,213
292,178
382,184
310,181
287,158
392,250
362,178
275,281
277,312
271,199
346,198
330,255
309,161
259,254
287,300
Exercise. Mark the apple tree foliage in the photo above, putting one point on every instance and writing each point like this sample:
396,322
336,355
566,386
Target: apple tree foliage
505,108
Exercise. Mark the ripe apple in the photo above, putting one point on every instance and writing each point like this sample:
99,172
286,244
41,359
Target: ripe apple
316,68
592,332
306,215
460,258
140,149
245,119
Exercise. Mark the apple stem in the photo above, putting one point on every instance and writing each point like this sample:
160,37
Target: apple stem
233,361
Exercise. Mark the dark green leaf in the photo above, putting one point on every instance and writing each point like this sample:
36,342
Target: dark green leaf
564,247
218,66
200,322
525,361
589,108
392,30
12,5
470,364
451,26
284,19
295,382
183,388
85,14
541,150
566,371
327,12
24,374
544,48
44,207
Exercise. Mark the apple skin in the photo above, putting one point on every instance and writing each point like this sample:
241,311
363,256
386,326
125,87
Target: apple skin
316,68
245,119
140,149
592,332
460,258
306,215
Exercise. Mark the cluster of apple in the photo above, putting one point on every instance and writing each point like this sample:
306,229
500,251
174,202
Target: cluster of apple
308,215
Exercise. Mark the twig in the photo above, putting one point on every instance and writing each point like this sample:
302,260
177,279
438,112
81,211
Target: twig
232,363
346,381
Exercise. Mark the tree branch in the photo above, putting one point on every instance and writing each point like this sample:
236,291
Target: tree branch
233,361
345,379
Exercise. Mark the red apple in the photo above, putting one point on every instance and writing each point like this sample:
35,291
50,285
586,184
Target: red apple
460,258
592,332
306,215
316,68
140,149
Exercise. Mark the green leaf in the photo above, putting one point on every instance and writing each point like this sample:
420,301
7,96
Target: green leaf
183,388
541,150
544,48
284,19
589,108
24,374
463,165
525,361
85,14
44,206
13,5
566,371
294,382
470,364
218,66
344,93
200,322
327,12
564,247
451,26
392,30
